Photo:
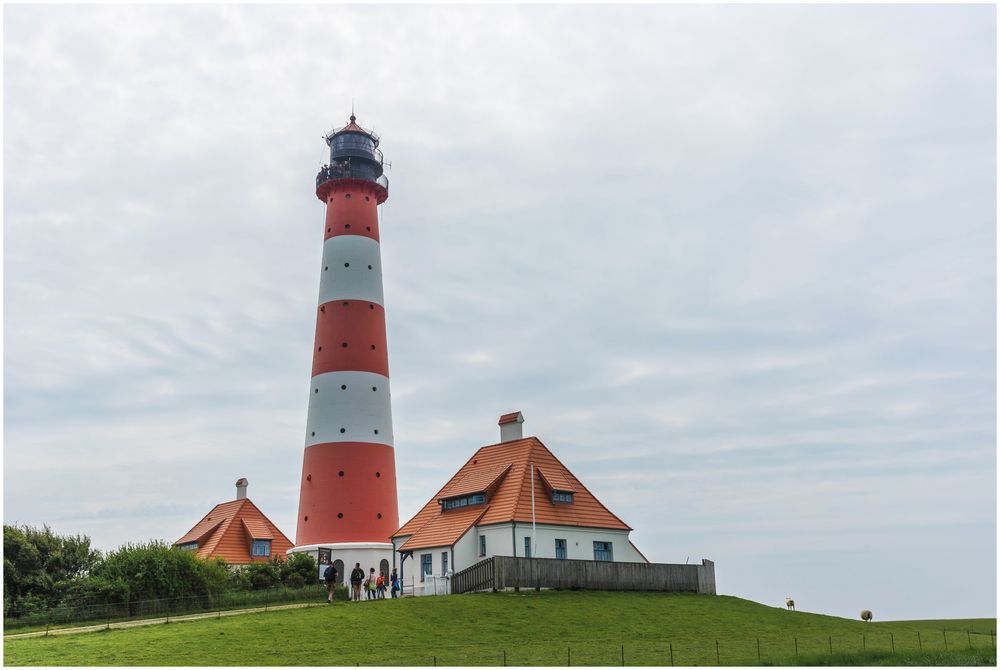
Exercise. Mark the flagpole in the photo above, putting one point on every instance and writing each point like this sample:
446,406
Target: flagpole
533,542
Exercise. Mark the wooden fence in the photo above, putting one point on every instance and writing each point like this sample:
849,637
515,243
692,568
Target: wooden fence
502,572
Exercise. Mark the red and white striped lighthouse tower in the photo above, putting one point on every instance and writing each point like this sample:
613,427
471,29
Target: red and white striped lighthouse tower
347,500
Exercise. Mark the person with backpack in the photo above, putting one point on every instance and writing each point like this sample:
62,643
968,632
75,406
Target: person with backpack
394,586
330,577
357,576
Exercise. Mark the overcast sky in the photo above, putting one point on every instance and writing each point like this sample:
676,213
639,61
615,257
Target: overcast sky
736,265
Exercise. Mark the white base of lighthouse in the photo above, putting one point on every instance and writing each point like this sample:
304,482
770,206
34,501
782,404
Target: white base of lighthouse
368,554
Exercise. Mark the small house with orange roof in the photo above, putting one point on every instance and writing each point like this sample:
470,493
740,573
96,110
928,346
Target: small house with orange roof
513,498
236,531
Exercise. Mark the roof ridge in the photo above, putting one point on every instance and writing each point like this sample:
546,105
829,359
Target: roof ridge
214,540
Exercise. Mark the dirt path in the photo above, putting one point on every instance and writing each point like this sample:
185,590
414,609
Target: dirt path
150,622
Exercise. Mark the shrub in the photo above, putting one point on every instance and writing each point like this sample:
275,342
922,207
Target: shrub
156,570
38,565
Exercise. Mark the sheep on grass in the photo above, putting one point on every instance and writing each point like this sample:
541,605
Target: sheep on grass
866,615
789,603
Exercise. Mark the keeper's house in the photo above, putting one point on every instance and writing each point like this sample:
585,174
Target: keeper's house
486,510
236,531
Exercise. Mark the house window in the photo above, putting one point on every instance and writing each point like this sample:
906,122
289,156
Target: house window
562,497
482,545
561,549
475,499
444,563
602,551
261,548
425,565
188,546
527,547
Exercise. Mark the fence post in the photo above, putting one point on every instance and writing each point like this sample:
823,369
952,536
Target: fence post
267,594
758,650
796,647
623,655
945,634
831,644
893,641
435,661
505,658
671,654
717,661
920,643
864,643
970,638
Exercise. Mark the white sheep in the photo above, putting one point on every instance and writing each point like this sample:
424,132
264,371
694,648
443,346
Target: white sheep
866,615
789,603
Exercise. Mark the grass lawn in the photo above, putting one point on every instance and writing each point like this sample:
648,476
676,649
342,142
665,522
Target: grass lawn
527,628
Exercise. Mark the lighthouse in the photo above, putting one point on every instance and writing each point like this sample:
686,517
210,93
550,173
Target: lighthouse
347,498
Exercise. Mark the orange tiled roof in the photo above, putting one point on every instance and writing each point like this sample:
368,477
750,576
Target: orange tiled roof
479,479
555,480
445,529
257,529
228,530
511,501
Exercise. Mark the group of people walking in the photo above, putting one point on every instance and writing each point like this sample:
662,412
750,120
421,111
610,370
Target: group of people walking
374,585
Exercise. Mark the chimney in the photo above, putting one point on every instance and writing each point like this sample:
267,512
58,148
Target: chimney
241,488
510,426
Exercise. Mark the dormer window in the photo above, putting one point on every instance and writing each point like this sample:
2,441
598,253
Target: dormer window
188,546
261,548
562,497
464,501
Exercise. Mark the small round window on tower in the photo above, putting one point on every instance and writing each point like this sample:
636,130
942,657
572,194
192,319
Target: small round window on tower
378,474
343,430
340,515
343,387
343,344
373,347
347,265
347,226
369,267
379,515
305,518
376,431
340,474
374,388
346,304
368,228
347,196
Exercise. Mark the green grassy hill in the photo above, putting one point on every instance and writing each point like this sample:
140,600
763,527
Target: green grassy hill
527,628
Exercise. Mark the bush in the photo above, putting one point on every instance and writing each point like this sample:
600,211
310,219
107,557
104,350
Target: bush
156,570
38,565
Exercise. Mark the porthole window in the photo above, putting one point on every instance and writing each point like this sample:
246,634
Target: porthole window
378,474
305,518
316,391
373,347
329,229
367,198
343,430
319,349
347,225
376,431
340,474
374,388
344,345
340,515
347,265
314,433
343,387
368,228
371,306
347,196
379,515
369,267
345,304
325,268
